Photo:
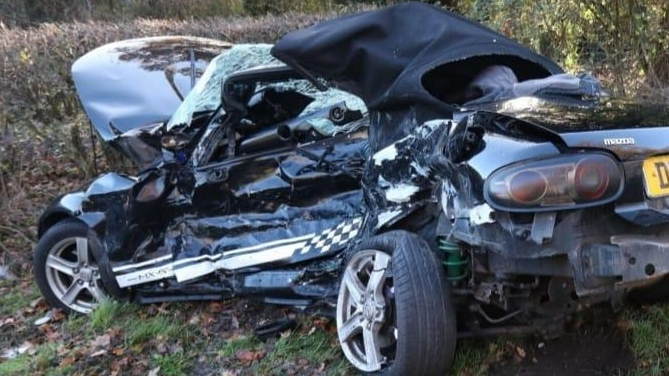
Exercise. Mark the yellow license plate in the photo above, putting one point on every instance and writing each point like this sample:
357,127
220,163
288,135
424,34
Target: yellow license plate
656,176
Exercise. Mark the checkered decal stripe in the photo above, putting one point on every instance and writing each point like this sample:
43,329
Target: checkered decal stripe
333,238
186,269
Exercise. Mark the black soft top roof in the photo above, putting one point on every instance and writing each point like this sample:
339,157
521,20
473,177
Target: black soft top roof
384,55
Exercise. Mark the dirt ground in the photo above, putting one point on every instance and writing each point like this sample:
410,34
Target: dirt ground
591,352
592,346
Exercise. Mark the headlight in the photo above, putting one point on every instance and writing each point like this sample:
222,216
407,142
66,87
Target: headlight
562,182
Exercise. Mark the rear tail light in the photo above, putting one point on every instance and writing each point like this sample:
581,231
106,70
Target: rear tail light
590,180
528,186
561,182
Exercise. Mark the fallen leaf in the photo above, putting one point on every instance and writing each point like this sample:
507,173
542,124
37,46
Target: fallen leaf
68,361
216,307
7,321
98,353
36,302
194,320
207,319
43,320
58,316
52,335
520,351
161,348
120,364
286,333
138,367
118,351
28,311
46,318
16,351
176,348
103,341
248,356
62,350
114,332
321,323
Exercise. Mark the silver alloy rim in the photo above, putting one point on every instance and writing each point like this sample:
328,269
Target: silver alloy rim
364,325
73,275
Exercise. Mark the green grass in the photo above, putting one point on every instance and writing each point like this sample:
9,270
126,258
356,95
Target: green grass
77,324
157,327
45,355
317,347
231,346
314,346
176,364
17,366
648,338
25,364
472,357
111,312
153,333
16,299
138,327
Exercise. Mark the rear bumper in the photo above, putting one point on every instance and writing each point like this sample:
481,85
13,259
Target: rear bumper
630,261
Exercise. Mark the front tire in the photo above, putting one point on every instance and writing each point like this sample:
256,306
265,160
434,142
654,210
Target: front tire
394,310
66,271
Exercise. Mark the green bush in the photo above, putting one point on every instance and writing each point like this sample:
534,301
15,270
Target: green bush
34,12
623,42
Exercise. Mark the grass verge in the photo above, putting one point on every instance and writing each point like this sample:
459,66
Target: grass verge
648,339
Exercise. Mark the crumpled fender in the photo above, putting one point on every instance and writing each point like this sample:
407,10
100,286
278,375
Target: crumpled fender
71,205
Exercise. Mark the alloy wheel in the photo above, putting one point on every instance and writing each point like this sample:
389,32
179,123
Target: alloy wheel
73,275
365,313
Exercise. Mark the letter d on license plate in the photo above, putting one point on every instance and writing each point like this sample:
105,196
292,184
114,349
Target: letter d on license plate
656,176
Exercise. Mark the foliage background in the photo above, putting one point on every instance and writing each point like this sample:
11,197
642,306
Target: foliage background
45,148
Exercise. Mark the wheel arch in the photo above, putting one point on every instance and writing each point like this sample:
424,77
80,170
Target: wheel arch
68,206
421,220
50,220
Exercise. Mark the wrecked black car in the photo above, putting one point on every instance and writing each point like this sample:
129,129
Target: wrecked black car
416,174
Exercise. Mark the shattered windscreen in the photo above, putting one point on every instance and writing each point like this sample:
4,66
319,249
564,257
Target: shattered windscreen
206,95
